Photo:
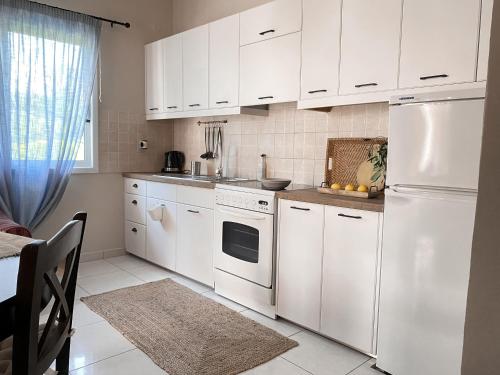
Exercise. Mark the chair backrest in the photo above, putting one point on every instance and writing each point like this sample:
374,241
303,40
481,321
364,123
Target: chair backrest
35,349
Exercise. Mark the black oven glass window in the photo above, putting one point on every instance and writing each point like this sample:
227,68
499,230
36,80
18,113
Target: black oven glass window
240,241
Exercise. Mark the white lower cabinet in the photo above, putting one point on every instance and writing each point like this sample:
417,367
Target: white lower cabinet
135,238
350,274
328,271
161,235
299,262
195,232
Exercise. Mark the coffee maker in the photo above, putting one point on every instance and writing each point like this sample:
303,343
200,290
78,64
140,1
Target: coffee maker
174,162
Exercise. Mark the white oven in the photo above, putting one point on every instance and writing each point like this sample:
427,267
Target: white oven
244,244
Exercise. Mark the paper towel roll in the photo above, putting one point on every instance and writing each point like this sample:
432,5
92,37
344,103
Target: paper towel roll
156,213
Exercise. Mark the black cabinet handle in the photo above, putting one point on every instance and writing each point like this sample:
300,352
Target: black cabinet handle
350,217
424,78
134,230
366,85
134,202
267,32
153,109
222,102
193,212
172,107
300,208
194,105
265,97
317,91
135,186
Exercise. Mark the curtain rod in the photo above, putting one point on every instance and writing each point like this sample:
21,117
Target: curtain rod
112,22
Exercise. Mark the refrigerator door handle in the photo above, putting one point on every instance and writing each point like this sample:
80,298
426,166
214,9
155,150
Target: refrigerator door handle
412,189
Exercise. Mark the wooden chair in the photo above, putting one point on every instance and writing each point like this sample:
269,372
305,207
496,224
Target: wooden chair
34,347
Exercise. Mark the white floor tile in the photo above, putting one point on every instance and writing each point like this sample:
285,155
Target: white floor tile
130,363
193,285
279,325
224,301
95,268
277,366
111,281
127,262
95,342
150,273
366,369
321,356
83,316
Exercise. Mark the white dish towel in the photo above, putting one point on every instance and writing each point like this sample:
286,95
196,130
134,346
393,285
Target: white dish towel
156,213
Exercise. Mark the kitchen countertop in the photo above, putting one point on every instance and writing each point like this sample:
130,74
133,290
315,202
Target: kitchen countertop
313,196
173,181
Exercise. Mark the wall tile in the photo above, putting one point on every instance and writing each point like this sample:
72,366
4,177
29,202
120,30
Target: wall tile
294,140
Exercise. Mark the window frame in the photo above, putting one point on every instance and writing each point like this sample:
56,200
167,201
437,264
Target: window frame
90,164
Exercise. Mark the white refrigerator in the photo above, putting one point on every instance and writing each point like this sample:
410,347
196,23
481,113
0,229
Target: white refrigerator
432,178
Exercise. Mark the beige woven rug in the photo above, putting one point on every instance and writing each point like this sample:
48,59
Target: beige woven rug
185,333
11,245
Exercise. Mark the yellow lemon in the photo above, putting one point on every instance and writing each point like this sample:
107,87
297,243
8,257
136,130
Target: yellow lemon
363,188
349,187
336,186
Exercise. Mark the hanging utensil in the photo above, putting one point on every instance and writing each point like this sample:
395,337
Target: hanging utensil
205,155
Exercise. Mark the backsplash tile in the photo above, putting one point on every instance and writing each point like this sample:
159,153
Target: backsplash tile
294,140
119,137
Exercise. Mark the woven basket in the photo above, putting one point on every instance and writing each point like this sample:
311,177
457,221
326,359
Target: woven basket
346,156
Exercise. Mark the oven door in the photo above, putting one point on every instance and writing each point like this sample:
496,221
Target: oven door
244,244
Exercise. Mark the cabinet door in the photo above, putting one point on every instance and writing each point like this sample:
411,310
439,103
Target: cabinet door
195,72
320,48
270,71
161,235
439,42
135,239
224,62
484,41
370,45
195,243
350,276
154,77
299,262
172,48
270,20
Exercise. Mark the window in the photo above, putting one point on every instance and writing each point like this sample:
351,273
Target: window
87,157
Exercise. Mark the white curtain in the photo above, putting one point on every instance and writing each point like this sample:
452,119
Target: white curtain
48,61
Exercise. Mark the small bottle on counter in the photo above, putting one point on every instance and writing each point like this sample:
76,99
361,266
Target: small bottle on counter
262,167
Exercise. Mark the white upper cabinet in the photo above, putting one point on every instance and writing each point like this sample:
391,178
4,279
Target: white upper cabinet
172,48
270,71
270,20
439,42
224,62
371,33
484,41
195,68
154,77
320,48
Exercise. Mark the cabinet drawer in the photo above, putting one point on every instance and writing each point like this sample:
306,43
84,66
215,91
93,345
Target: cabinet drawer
163,191
270,20
196,196
134,186
135,208
270,71
135,238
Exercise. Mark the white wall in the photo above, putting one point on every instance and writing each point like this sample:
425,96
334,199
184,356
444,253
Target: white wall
123,88
191,13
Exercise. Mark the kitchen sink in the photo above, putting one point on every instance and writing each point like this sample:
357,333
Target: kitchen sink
208,179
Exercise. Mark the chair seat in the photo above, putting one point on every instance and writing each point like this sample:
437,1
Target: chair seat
6,356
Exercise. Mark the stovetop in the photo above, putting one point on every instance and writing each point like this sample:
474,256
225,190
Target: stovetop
254,186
